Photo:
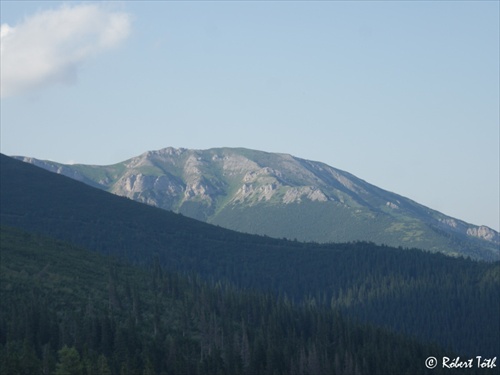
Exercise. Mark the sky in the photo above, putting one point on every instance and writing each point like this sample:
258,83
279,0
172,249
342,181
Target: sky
403,94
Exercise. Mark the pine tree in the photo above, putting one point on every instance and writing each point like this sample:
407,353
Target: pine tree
102,365
69,362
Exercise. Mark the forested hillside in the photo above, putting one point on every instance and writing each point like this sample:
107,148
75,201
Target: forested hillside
452,302
70,311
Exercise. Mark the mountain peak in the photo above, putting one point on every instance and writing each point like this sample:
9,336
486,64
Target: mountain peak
283,196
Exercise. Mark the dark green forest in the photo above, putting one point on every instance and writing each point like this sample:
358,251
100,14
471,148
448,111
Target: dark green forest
161,293
70,311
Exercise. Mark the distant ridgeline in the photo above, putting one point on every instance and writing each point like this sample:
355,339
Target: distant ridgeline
282,196
164,293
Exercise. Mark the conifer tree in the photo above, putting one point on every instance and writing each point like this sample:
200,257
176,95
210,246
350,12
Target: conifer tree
69,362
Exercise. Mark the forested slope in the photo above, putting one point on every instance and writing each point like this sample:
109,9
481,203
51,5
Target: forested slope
453,302
67,310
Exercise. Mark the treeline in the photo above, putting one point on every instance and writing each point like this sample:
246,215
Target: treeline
70,311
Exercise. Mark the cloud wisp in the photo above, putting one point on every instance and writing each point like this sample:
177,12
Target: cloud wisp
48,47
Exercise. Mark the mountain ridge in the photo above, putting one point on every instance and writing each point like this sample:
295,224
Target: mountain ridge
256,192
395,288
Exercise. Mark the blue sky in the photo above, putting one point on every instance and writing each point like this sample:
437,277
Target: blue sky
404,95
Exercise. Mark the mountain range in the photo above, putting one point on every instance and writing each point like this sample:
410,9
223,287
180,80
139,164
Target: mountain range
280,195
430,297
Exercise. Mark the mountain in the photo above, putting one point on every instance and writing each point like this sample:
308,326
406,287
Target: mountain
431,297
280,195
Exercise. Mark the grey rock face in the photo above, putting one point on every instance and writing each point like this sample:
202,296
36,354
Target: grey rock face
484,233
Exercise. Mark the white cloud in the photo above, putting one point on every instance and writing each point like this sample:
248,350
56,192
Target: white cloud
48,47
